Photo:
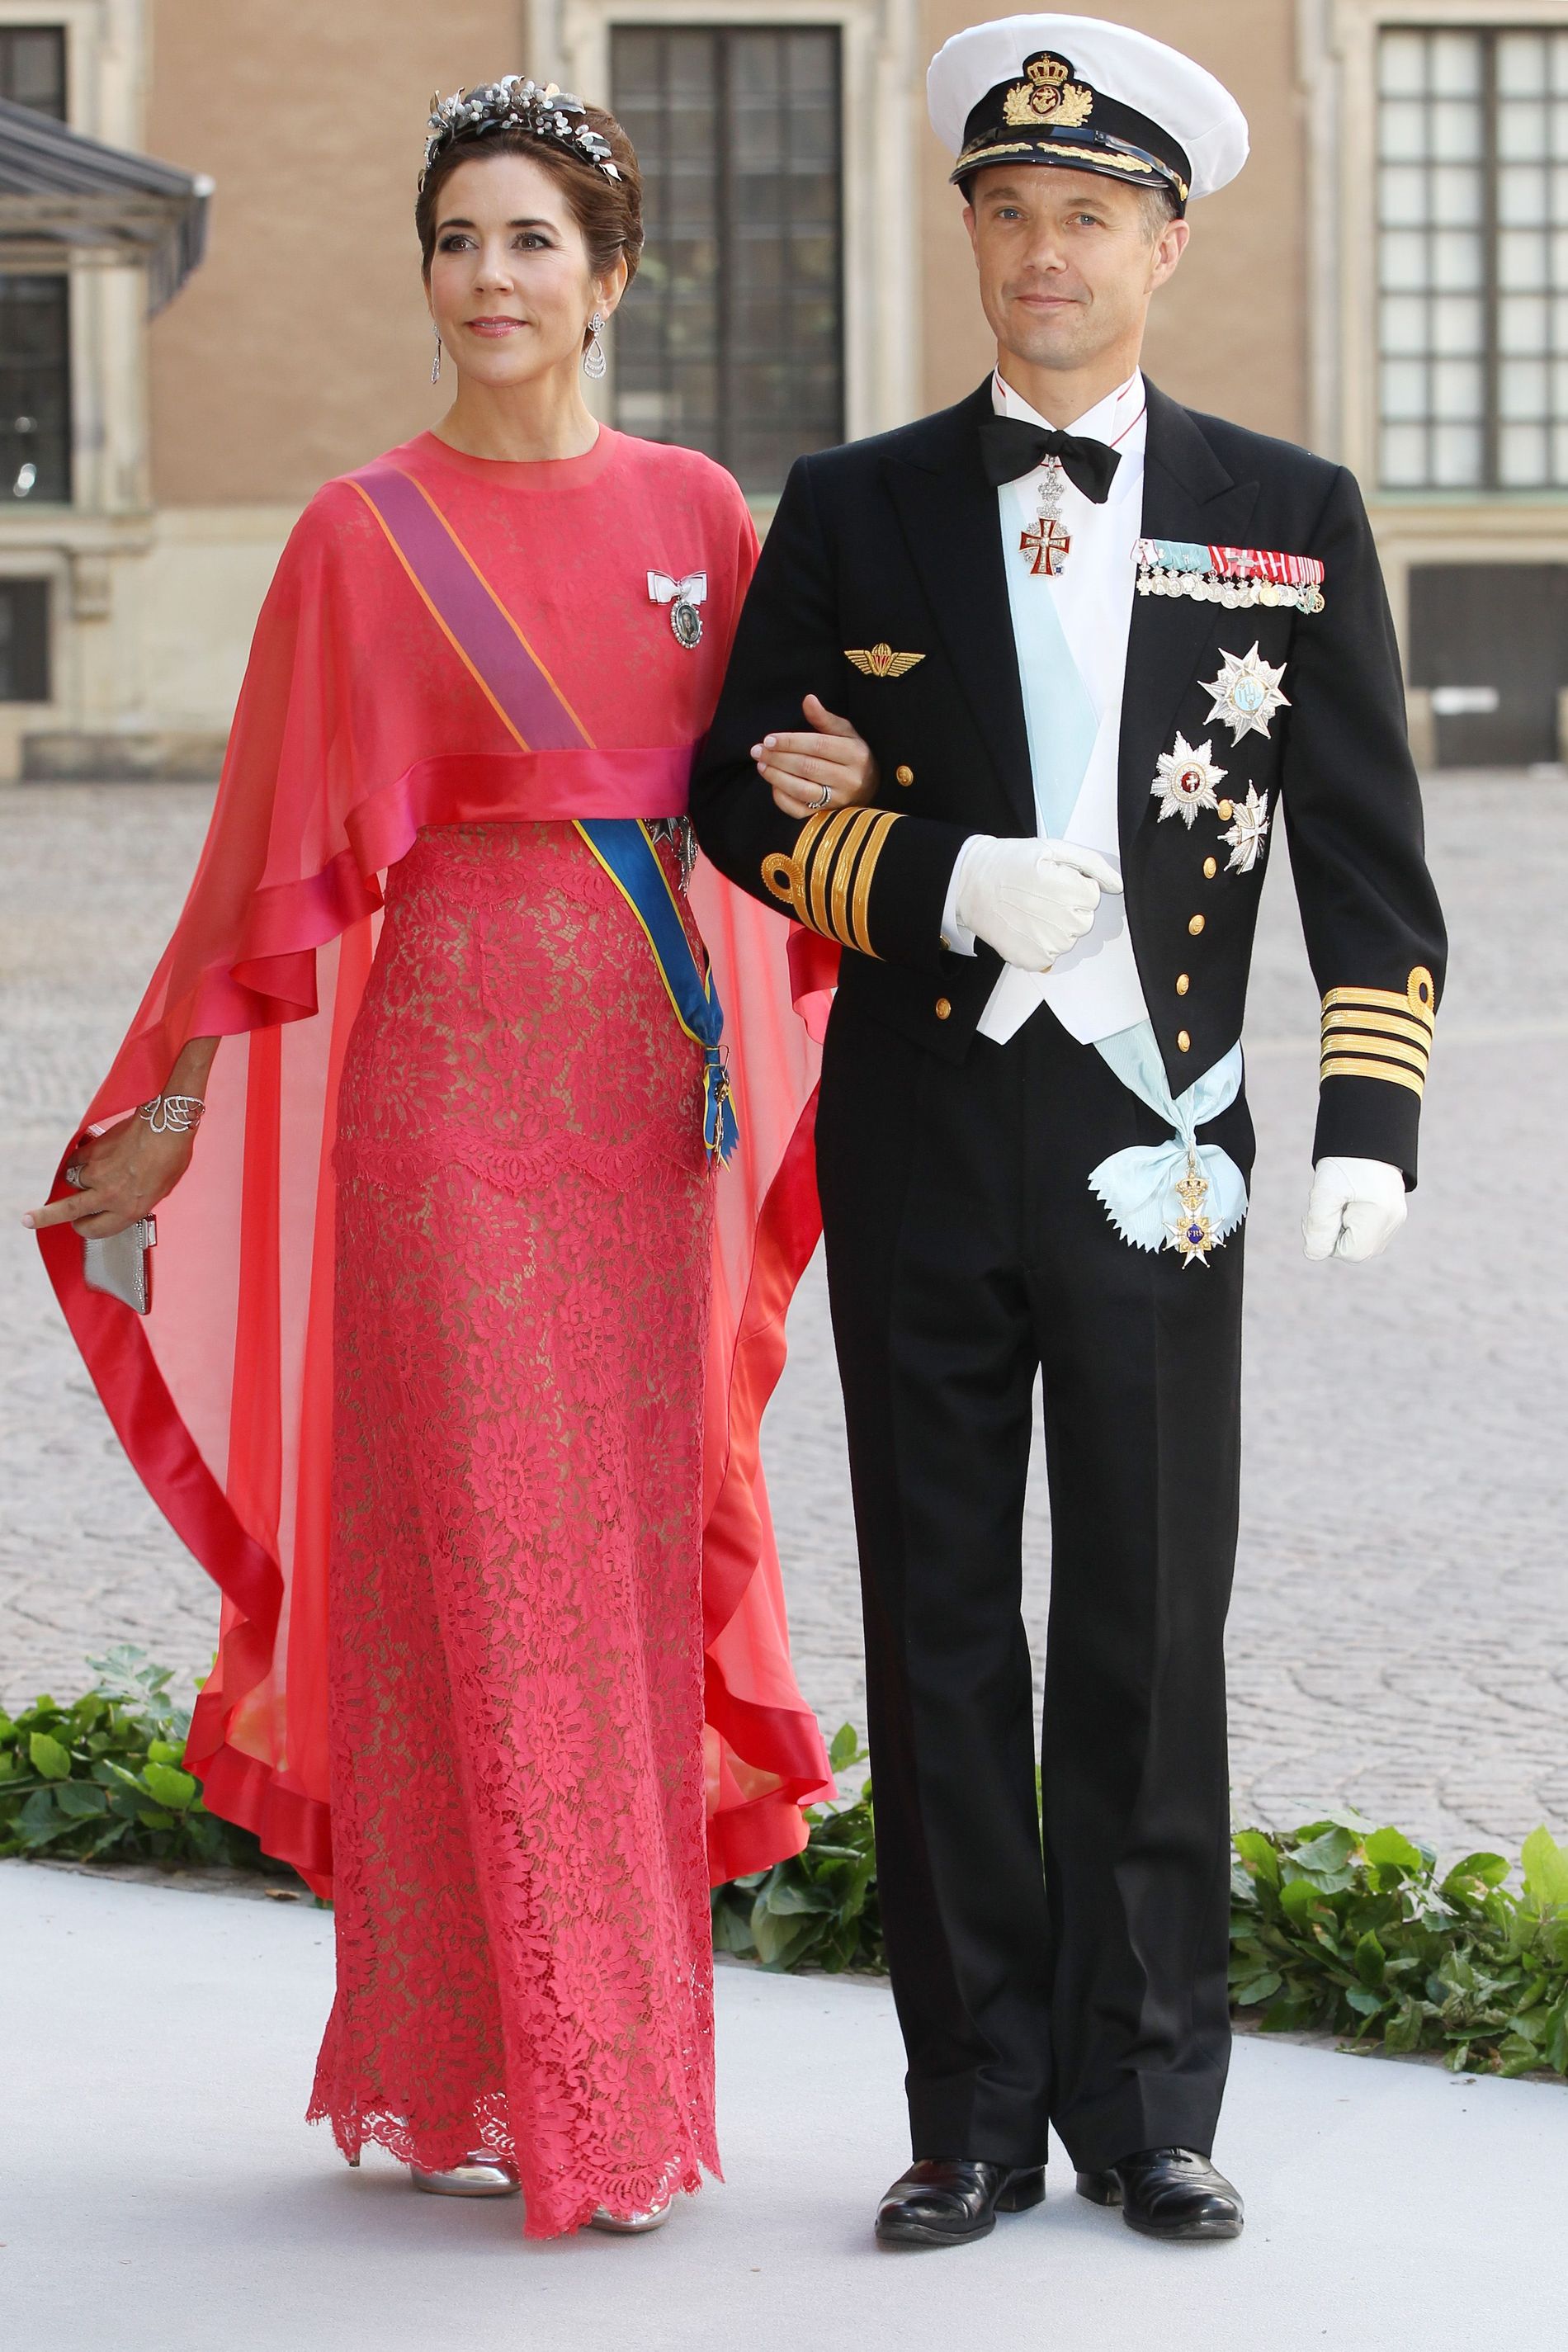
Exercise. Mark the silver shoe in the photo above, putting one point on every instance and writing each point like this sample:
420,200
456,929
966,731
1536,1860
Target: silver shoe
480,2174
632,2225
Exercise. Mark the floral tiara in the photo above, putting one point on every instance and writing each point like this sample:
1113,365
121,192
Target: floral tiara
515,103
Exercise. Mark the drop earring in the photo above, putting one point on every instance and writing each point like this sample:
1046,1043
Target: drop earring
593,360
436,362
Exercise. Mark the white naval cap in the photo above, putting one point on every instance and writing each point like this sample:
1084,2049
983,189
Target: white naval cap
1080,91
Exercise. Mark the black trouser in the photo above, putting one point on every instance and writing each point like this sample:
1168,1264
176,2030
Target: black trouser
966,1252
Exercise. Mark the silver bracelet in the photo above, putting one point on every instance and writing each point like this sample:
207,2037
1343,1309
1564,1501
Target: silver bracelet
172,1114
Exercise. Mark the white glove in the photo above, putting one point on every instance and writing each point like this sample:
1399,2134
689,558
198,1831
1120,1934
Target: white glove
1030,900
1355,1209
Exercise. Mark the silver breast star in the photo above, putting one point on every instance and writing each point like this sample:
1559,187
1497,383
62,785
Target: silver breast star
1186,782
1246,694
1246,836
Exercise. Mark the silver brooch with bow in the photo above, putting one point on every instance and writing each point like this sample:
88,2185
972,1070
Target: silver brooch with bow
683,597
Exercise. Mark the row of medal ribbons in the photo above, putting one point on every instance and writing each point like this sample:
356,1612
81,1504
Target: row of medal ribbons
1232,576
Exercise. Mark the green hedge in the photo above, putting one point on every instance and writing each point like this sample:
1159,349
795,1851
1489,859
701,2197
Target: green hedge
101,1779
1341,1927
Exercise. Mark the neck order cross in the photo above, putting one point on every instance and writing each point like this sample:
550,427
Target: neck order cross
1047,544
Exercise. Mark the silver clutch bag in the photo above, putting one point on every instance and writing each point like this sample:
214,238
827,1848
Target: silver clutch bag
121,1267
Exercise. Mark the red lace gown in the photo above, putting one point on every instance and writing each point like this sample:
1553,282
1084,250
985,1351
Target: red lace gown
523,1239
523,1242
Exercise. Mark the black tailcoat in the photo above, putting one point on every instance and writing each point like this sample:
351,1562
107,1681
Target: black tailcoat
1083,1984
894,542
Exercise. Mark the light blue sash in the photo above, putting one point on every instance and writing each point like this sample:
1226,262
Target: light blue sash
1138,1186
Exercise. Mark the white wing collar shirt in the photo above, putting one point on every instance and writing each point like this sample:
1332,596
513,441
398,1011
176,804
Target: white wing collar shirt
1093,989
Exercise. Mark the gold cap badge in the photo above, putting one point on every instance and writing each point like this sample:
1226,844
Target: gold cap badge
1050,95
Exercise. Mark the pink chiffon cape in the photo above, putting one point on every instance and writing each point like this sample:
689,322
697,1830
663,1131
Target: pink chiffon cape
361,720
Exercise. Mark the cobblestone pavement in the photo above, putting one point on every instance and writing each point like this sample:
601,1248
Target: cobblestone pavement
1399,1639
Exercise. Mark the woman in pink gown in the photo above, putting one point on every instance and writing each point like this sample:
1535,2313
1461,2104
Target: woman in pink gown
435,1381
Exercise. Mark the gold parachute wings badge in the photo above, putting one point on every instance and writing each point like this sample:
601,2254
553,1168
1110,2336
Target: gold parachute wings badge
881,661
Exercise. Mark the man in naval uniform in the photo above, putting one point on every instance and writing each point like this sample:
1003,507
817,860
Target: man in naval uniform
1101,649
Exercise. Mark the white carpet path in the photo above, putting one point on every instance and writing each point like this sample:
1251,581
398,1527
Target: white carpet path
160,2193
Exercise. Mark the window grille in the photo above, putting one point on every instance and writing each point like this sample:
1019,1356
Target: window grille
731,339
1473,258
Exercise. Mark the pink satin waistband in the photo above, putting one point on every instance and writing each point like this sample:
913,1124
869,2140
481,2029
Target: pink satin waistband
524,787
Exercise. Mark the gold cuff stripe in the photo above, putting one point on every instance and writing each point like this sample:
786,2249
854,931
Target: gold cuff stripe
1379,1000
1417,998
823,853
1351,1066
1380,1032
1391,1049
1391,1024
860,929
844,870
785,875
806,836
833,856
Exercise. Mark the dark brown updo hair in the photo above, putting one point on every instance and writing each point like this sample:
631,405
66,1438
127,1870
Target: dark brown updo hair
608,212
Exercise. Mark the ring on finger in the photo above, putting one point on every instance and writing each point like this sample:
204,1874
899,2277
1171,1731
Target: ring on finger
73,1177
824,799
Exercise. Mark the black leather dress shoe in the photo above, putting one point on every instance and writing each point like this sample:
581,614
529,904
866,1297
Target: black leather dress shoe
1168,2192
948,2200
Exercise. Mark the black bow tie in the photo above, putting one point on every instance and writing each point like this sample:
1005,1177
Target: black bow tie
1010,446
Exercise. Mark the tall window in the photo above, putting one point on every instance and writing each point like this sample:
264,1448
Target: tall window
1473,254
24,641
731,339
33,67
35,328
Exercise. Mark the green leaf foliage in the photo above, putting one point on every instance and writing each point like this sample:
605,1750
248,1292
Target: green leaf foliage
104,1779
1343,1927
819,1909
176,1791
48,1758
1545,1871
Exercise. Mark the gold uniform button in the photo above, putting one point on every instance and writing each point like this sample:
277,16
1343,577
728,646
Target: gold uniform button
1225,812
1196,926
942,1008
1183,1043
903,775
1210,869
1182,983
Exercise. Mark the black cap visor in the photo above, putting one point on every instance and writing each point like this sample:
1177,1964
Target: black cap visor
1106,137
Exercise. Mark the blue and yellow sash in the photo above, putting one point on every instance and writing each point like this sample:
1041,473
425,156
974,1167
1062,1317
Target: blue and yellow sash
493,649
625,851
